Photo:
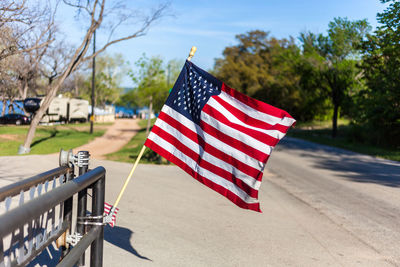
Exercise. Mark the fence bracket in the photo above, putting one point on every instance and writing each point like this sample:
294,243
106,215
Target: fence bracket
108,218
92,220
62,240
73,239
67,158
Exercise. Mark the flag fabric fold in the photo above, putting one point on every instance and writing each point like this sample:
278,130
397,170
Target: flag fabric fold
219,136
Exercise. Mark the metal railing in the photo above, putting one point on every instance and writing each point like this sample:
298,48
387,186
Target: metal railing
27,228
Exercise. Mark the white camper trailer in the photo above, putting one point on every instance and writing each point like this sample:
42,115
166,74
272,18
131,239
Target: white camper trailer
78,110
57,111
63,109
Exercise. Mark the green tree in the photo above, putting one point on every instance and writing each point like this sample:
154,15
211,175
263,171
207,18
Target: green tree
334,58
129,99
152,89
312,83
110,70
139,95
379,103
263,67
174,67
151,82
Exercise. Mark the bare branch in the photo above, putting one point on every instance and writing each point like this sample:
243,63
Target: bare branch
78,6
96,10
142,31
24,29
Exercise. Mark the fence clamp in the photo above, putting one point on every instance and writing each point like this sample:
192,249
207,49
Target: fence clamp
73,239
67,158
92,220
108,218
82,158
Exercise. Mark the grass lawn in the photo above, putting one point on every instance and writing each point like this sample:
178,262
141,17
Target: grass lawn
320,132
48,139
131,150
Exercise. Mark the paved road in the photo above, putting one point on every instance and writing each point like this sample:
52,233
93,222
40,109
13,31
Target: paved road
358,193
321,207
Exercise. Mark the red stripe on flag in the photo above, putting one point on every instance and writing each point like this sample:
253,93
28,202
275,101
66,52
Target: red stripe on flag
221,190
252,172
225,174
262,137
243,117
245,148
254,103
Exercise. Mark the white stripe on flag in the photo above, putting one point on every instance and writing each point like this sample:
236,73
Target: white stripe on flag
273,133
286,121
227,149
192,145
201,171
238,135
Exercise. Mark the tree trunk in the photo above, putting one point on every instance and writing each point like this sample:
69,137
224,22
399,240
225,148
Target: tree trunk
3,108
334,119
335,101
149,116
11,106
24,94
76,87
25,90
26,147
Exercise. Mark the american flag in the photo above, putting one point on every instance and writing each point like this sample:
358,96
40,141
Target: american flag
107,208
219,136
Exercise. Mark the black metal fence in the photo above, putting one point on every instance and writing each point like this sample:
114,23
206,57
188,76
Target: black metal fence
28,227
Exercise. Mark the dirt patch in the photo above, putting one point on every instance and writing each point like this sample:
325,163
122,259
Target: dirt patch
10,137
115,138
78,128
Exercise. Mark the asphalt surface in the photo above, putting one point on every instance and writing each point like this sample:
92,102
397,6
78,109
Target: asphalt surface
359,193
321,207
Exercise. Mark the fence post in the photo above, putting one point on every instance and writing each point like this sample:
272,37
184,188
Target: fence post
67,216
96,249
83,165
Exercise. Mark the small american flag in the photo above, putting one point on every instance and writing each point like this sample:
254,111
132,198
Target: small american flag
219,136
107,209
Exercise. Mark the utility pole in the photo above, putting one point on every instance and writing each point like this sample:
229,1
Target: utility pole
93,81
168,74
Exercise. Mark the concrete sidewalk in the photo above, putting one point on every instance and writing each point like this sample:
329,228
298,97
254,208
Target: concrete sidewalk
166,218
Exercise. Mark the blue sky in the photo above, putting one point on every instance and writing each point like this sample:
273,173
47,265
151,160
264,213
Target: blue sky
212,25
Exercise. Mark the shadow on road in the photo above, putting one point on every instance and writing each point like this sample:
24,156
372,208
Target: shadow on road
349,165
120,237
49,257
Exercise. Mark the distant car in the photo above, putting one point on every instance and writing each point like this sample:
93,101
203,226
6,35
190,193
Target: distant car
15,118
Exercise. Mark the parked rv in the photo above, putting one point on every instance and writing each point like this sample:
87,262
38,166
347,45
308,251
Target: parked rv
61,109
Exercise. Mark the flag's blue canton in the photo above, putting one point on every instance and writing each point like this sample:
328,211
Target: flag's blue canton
192,91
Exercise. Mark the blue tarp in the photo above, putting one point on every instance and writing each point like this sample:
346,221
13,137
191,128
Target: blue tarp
125,110
18,107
